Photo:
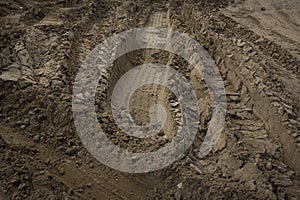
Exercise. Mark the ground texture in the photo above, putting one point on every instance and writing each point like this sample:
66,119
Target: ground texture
255,45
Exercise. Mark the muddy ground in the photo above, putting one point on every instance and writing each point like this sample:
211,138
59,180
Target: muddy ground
255,45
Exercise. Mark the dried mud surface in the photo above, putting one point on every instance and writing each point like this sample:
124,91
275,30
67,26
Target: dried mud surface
255,46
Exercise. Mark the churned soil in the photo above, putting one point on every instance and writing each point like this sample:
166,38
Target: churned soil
255,45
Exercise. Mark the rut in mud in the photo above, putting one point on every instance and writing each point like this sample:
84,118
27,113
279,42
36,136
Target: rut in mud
42,47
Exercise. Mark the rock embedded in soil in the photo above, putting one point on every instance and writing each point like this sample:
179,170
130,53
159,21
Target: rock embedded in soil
269,166
70,151
61,170
36,138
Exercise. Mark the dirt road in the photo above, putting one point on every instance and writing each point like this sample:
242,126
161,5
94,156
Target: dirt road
255,45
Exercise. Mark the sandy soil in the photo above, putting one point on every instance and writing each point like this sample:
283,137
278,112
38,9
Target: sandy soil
278,20
255,45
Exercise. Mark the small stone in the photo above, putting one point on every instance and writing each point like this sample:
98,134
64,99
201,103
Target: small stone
36,138
78,163
251,185
244,155
269,166
61,171
240,43
80,190
174,104
247,49
276,55
89,185
91,165
70,151
235,98
179,185
161,133
23,126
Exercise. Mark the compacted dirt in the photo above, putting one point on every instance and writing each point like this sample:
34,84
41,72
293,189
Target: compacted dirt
255,45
